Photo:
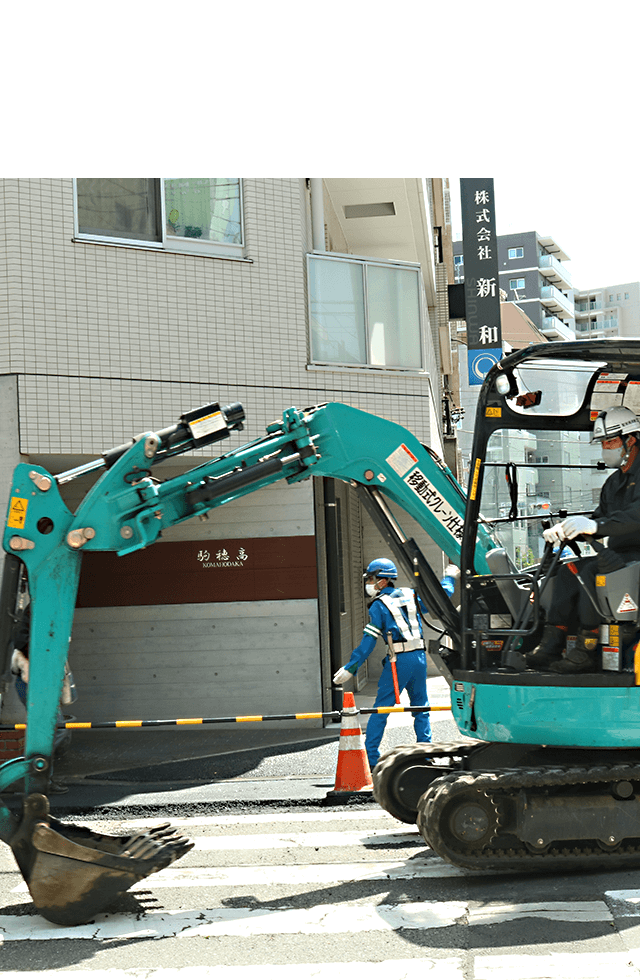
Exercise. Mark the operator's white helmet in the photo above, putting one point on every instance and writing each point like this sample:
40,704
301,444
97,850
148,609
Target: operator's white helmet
615,421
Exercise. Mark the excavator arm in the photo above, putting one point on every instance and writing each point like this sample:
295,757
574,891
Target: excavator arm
72,873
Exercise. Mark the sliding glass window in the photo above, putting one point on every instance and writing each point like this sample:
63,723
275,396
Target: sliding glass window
365,312
202,215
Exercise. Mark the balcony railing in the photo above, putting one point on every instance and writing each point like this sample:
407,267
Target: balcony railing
609,326
556,301
555,329
551,268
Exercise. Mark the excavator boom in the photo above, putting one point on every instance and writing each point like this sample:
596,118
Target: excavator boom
71,872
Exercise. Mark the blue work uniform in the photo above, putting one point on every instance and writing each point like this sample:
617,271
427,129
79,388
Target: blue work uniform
394,610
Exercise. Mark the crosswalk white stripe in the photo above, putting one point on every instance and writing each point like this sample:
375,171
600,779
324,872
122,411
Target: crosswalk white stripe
448,968
560,966
243,922
559,911
330,838
626,901
313,874
296,874
235,820
341,917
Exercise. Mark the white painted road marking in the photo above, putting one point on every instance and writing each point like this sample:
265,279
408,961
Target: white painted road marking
555,966
329,838
423,968
340,917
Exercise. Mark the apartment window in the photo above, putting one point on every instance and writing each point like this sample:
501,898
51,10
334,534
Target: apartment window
366,313
611,297
183,214
516,253
516,284
618,296
626,295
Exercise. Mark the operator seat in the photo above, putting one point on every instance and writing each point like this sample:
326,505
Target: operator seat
514,593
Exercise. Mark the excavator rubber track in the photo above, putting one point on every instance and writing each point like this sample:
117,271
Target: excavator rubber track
585,818
403,774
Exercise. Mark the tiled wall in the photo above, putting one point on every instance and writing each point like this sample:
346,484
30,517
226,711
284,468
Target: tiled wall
114,340
107,342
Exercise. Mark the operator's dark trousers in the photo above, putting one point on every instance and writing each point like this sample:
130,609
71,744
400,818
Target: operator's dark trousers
571,605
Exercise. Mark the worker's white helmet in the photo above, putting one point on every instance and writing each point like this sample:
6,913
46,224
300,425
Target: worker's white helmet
615,421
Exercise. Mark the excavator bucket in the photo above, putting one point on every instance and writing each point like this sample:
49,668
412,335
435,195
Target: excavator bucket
73,873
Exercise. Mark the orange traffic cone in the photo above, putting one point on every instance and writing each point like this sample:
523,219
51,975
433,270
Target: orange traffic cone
353,774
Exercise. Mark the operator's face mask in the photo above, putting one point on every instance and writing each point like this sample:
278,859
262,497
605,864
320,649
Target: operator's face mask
616,456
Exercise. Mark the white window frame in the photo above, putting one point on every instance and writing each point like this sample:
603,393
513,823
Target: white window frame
517,282
169,243
365,263
518,251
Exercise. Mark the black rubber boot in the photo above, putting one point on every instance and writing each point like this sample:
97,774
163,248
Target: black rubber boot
582,659
549,649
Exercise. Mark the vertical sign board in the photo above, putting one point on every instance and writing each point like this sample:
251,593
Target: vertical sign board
481,284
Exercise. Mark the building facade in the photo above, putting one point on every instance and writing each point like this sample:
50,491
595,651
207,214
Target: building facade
533,275
131,301
610,311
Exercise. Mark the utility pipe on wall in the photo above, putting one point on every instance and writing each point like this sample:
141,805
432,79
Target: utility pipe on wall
317,214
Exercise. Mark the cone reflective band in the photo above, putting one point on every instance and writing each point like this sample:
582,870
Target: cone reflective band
353,773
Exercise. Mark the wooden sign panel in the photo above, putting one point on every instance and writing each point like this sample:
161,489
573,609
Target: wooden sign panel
231,570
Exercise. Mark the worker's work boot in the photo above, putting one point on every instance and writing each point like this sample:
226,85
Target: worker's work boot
582,658
549,649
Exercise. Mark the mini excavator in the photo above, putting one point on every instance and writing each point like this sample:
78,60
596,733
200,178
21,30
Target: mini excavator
546,772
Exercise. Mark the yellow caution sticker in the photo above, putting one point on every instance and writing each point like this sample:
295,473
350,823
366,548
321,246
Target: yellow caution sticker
476,476
601,580
493,413
17,513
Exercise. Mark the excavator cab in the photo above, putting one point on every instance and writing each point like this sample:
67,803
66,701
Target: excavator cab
533,464
546,775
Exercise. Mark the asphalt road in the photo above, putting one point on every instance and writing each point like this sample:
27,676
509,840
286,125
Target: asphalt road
281,884
280,892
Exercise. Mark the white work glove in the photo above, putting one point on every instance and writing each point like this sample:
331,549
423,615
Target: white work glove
20,665
342,676
554,535
573,526
452,571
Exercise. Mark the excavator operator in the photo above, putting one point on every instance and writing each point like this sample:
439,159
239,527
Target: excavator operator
393,611
617,517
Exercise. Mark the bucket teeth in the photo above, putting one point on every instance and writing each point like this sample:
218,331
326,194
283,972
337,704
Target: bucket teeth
73,873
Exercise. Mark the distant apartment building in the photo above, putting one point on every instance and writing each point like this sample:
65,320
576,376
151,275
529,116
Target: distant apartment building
533,275
610,311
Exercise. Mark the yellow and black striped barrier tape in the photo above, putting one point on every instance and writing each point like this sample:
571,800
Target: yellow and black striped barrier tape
301,716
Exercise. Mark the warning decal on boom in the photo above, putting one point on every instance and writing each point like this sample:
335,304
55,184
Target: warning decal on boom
439,507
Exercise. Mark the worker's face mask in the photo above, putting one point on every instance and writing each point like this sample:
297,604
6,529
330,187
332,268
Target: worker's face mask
614,456
370,588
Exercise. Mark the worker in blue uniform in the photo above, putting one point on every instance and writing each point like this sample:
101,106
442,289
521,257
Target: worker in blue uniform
392,611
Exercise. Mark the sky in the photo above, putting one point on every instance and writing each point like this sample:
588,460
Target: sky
593,217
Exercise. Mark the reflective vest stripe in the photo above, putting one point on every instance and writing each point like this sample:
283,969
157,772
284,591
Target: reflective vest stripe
410,630
372,630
